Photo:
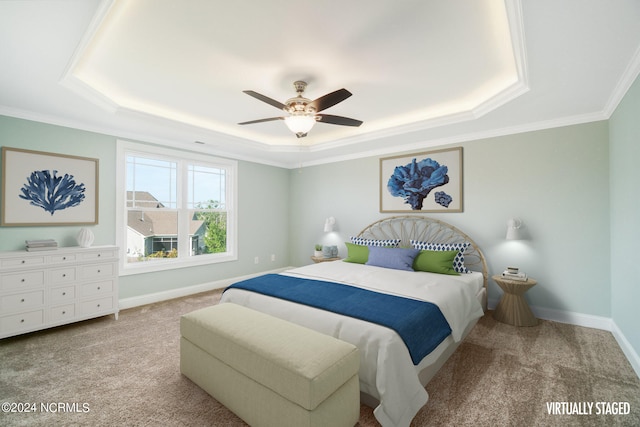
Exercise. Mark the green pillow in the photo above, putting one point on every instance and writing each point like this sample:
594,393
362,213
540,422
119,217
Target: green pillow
440,262
356,253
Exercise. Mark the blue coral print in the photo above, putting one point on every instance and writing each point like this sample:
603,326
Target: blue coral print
442,198
52,192
415,181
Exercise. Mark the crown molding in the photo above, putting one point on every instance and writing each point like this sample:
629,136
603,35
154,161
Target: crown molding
628,77
457,139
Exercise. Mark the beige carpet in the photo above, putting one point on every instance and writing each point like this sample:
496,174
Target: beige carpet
126,372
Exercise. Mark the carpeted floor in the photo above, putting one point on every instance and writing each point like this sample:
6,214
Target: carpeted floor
126,372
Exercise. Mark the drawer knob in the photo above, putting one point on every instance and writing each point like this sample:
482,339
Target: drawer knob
21,320
98,305
99,255
98,287
64,275
64,258
64,293
23,261
22,280
64,312
22,300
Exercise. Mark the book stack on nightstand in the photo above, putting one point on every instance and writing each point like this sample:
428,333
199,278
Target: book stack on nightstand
513,273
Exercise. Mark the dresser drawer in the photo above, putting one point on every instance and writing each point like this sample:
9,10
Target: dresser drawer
96,306
97,270
24,261
63,313
22,280
105,254
62,258
63,293
63,275
21,321
21,302
97,288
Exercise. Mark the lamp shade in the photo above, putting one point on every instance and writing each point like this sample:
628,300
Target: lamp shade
300,123
328,224
514,231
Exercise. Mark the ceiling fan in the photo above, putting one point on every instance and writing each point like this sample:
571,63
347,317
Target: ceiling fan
303,112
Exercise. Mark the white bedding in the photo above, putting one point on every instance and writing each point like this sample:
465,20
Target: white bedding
386,370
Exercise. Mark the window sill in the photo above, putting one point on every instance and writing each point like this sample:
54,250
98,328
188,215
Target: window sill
173,264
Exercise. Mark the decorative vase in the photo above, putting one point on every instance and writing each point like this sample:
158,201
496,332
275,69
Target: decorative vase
330,251
85,238
317,254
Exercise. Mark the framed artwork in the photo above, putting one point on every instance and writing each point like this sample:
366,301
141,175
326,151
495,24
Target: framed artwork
422,182
41,188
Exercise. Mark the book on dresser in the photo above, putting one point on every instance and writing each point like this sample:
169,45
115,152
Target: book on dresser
42,289
41,245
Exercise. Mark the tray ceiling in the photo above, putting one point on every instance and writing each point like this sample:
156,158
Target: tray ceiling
421,72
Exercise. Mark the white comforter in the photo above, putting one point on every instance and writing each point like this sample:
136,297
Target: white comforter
386,370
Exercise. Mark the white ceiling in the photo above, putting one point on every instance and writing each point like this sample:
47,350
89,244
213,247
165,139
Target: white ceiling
422,72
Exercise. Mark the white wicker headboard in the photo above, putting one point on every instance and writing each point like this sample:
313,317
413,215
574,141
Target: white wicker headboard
424,229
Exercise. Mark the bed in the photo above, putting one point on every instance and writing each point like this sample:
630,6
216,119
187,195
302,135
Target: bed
392,376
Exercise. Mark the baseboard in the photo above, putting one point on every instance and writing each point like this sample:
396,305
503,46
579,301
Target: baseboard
578,319
588,321
186,291
627,349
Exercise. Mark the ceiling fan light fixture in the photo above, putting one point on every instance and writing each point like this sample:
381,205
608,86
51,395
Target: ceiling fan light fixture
300,123
302,111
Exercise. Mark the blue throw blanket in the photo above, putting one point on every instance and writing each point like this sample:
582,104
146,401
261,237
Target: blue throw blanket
420,324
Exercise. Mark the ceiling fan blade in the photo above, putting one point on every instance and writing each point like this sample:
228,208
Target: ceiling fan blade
279,105
338,120
261,120
330,99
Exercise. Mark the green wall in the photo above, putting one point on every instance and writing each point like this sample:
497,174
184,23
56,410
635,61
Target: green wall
263,200
625,214
556,181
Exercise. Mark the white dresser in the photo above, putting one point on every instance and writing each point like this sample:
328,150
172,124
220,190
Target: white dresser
43,289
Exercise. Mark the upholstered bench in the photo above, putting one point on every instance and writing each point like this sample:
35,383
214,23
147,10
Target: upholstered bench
268,371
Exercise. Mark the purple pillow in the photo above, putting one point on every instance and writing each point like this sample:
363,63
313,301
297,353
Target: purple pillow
396,258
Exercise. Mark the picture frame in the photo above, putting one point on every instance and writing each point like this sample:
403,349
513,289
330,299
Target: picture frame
45,189
429,181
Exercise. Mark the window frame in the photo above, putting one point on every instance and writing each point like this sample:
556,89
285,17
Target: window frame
183,158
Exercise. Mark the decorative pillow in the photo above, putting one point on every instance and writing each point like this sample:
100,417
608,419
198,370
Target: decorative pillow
392,243
440,262
458,262
356,253
396,258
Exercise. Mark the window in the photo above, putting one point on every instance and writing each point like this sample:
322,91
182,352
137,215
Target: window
176,208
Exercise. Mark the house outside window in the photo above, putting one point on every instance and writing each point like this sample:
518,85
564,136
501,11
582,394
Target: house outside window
175,208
